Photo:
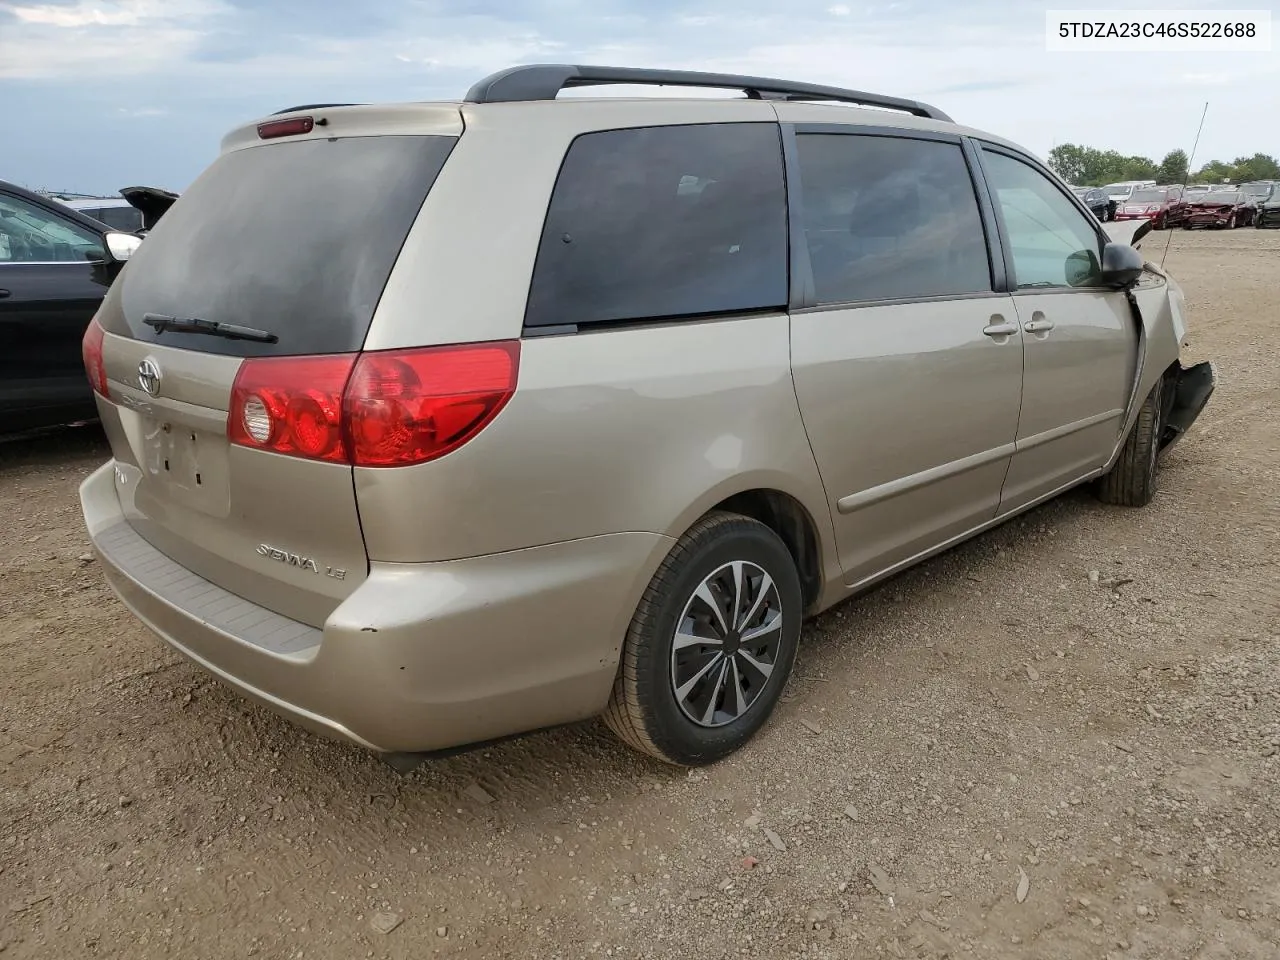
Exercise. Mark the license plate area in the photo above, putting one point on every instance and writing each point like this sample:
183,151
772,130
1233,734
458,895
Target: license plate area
189,465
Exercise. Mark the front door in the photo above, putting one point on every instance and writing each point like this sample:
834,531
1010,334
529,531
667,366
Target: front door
1080,340
908,365
52,280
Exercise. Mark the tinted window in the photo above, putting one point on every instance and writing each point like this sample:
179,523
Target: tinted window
297,238
117,218
1054,244
889,218
1149,196
664,222
32,234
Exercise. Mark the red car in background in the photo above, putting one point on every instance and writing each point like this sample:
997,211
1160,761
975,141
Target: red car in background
1164,206
1219,208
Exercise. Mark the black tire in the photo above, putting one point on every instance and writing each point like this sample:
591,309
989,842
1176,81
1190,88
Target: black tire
1131,482
644,709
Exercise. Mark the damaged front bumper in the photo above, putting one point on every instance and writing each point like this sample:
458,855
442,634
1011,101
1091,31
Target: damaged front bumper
1192,388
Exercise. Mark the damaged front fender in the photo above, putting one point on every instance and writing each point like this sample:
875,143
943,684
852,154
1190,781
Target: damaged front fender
1157,305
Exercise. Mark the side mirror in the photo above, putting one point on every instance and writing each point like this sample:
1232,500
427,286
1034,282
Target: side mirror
121,246
1122,265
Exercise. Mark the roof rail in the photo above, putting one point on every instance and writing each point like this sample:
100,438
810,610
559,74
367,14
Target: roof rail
312,106
543,81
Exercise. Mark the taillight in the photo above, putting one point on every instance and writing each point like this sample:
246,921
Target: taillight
91,350
410,406
291,405
383,409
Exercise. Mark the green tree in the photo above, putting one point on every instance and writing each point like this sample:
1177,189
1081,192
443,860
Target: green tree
1258,167
1068,161
1173,168
1215,171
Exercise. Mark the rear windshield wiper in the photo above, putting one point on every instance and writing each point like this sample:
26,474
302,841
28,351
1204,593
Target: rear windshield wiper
214,328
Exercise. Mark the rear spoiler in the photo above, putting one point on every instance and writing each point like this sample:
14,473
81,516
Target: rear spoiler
1131,232
152,202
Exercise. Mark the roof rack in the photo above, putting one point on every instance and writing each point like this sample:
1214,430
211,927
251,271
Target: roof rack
543,81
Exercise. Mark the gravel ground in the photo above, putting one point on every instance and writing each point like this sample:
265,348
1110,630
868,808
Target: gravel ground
995,755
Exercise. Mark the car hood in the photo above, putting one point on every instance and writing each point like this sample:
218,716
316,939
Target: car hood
151,201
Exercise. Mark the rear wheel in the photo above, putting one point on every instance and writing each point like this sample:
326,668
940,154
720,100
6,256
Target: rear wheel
711,644
1131,482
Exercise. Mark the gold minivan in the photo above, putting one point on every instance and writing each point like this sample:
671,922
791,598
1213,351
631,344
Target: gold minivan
435,423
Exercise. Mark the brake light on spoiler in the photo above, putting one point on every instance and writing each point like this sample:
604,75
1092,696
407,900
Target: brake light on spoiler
378,409
291,127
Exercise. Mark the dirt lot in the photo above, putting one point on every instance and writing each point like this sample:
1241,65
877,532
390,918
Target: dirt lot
994,756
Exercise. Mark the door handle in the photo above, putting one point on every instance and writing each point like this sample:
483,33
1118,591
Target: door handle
4,294
1039,323
999,327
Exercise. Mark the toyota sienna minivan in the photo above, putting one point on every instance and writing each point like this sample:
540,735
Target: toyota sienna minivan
435,423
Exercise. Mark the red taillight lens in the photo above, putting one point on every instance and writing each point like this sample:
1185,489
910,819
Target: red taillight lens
91,350
285,128
386,409
410,406
291,405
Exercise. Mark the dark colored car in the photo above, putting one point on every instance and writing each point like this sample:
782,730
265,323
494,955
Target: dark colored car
1267,213
1096,199
1163,206
55,267
1256,191
1218,208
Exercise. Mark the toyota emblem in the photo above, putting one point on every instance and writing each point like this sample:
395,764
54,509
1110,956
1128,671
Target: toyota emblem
149,376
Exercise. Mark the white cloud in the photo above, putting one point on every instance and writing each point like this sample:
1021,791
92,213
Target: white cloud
112,37
840,10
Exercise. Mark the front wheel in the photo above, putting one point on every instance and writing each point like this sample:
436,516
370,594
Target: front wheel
1131,482
711,644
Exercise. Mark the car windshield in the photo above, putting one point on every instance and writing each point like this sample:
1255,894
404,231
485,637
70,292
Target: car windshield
1149,196
1221,196
1256,189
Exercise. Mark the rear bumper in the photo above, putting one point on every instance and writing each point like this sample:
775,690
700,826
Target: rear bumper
420,657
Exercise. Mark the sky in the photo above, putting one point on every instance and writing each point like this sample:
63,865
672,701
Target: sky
100,94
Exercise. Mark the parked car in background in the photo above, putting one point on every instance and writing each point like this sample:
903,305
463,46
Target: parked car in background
1218,208
114,212
1096,199
55,266
1267,211
136,210
150,202
1121,191
1197,188
1255,191
384,446
1163,206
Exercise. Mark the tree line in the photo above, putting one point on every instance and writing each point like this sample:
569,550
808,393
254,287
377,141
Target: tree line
1090,167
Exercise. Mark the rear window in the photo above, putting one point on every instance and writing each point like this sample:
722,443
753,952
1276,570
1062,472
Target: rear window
664,222
295,238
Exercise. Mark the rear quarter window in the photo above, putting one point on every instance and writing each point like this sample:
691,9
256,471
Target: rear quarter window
664,222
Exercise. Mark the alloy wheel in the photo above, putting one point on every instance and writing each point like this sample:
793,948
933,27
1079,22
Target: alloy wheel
726,644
